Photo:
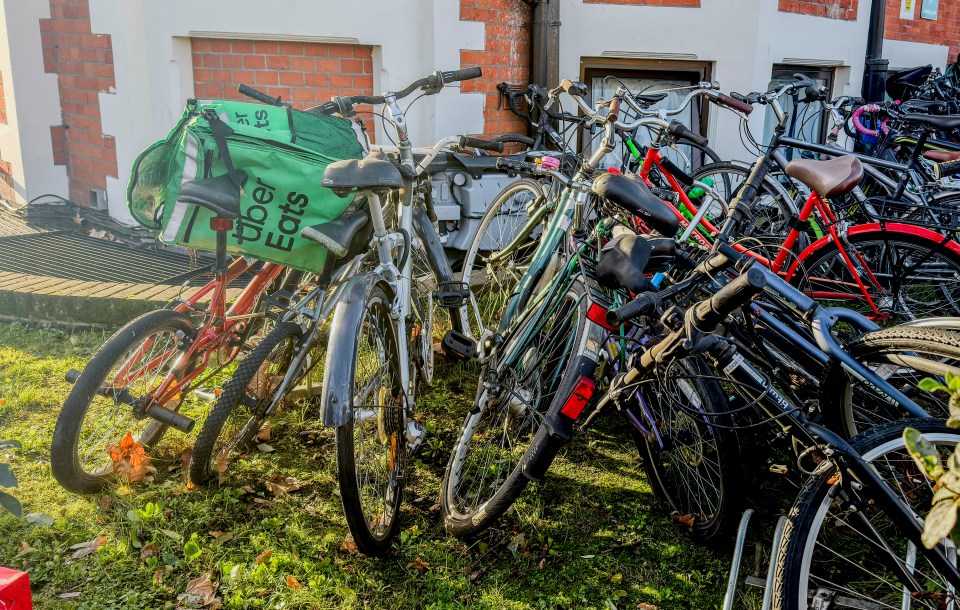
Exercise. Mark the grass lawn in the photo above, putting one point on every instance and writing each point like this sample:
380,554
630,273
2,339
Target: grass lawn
591,537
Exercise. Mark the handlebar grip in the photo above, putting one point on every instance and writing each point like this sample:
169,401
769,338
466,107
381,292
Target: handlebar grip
614,110
643,304
707,314
512,165
741,105
482,144
458,75
679,130
948,168
575,89
260,96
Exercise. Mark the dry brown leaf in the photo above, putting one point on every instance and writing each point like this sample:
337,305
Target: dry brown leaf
644,606
223,463
349,546
278,485
105,502
158,575
200,593
130,460
149,550
70,595
418,565
264,433
224,538
87,548
293,583
685,520
248,489
263,556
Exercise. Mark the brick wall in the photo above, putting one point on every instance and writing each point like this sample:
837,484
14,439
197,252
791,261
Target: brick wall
304,73
845,10
6,179
84,63
944,30
3,103
505,57
683,3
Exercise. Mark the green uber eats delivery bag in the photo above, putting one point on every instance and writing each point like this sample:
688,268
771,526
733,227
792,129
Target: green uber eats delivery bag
283,153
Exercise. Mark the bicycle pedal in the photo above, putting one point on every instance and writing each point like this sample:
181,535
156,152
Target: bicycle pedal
458,345
450,295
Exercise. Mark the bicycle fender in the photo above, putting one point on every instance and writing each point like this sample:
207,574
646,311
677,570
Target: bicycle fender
887,228
338,374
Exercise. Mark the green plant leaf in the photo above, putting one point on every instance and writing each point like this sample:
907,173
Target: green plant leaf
939,522
171,534
932,385
39,519
11,504
4,445
191,550
954,406
923,452
7,478
953,382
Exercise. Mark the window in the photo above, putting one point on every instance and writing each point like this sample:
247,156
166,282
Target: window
806,123
604,75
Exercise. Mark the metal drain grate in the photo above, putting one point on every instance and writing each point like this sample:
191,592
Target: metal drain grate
72,256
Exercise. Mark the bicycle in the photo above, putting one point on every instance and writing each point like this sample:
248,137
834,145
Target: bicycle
138,380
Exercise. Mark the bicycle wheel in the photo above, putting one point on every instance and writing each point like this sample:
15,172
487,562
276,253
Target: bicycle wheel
827,556
98,412
242,406
494,283
691,465
900,355
907,277
772,209
503,434
371,447
423,315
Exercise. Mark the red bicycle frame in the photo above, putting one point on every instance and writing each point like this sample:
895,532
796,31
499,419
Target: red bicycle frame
218,328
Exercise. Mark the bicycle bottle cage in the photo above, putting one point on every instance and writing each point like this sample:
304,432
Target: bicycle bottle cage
450,295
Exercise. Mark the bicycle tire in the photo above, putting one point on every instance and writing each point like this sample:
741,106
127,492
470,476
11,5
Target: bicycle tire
769,232
804,532
371,532
680,472
814,272
461,520
239,399
488,305
67,466
902,355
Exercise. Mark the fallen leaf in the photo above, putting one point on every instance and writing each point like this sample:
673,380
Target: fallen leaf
265,448
39,519
685,520
223,464
89,547
105,502
542,564
263,556
200,593
171,534
149,550
278,485
248,489
293,583
419,565
130,460
263,434
158,575
262,501
70,595
517,543
349,546
644,606
225,538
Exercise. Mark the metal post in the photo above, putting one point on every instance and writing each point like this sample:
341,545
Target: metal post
737,557
875,67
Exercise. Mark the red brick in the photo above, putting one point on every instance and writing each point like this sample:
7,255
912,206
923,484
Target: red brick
278,62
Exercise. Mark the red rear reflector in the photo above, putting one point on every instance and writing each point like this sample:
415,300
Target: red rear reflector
598,315
613,170
579,398
218,223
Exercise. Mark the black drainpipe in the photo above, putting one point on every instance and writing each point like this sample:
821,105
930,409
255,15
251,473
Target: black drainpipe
875,68
544,42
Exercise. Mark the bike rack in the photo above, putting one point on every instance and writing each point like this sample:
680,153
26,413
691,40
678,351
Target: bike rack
754,580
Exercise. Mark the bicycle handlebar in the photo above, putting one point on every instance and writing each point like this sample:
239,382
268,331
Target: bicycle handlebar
706,315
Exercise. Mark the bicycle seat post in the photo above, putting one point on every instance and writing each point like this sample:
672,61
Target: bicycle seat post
221,225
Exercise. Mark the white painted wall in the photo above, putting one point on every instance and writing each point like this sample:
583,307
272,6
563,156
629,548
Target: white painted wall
741,38
33,103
